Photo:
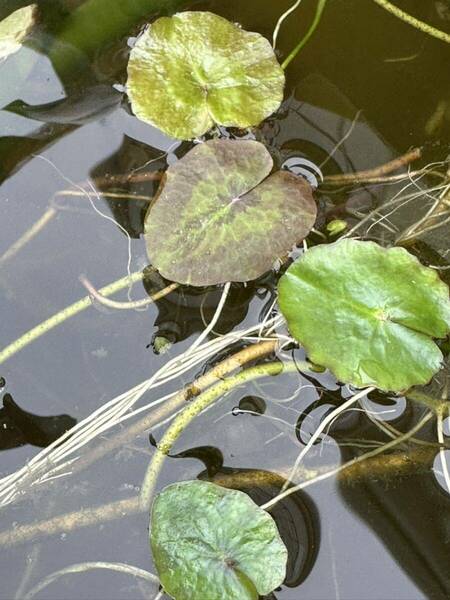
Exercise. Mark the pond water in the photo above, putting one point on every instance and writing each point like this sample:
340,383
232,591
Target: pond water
364,90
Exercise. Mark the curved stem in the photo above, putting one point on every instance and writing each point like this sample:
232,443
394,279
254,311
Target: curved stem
350,463
169,407
376,172
37,227
327,421
280,21
216,317
64,314
304,40
196,407
126,305
407,18
89,566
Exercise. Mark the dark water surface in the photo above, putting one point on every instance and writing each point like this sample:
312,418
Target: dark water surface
375,536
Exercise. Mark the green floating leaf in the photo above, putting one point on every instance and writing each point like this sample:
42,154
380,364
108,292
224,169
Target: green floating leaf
195,69
367,313
214,543
15,28
219,219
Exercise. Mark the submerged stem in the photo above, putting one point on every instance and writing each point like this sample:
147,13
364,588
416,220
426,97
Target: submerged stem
327,421
407,18
390,465
64,314
89,566
196,407
350,463
31,232
305,38
132,304
376,172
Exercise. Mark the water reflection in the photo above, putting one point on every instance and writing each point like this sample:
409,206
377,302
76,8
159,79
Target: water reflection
404,506
396,496
19,427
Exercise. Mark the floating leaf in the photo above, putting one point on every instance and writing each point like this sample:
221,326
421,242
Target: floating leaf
219,219
15,28
195,69
367,313
215,543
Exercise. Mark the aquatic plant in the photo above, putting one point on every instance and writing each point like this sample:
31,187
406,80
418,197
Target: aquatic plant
215,543
15,28
220,216
378,308
368,314
191,71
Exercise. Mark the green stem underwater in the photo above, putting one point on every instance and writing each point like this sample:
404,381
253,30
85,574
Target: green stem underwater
304,40
71,310
407,18
197,406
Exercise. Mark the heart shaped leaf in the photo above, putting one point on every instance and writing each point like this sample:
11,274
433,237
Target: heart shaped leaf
219,219
215,543
15,28
367,313
195,69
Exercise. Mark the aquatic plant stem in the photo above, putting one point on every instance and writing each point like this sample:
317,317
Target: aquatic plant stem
131,305
196,407
427,223
407,18
36,228
399,464
304,40
210,327
110,195
281,20
375,173
68,312
327,421
89,566
350,463
170,406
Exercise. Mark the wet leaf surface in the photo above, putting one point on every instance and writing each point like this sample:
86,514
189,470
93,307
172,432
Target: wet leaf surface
220,218
367,313
196,69
15,28
215,543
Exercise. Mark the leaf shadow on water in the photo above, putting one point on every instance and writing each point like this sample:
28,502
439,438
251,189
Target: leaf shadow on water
400,521
188,310
73,43
407,509
129,171
19,427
